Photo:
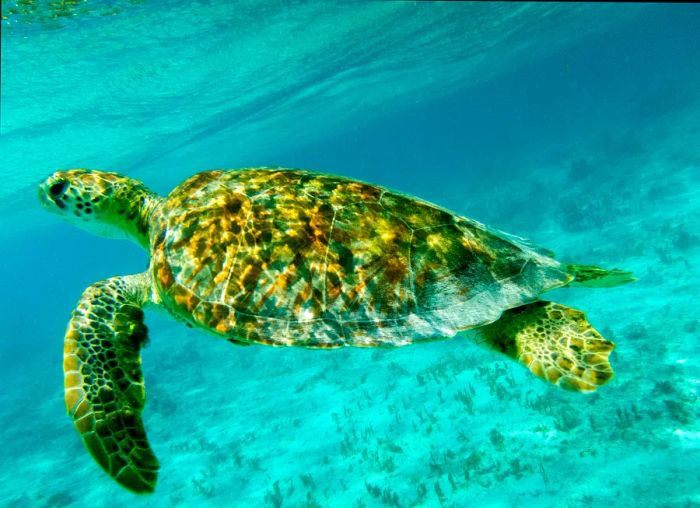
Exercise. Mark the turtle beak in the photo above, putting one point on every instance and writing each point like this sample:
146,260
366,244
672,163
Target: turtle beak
51,192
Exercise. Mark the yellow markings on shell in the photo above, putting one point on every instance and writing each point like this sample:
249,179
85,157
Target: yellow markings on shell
434,241
388,236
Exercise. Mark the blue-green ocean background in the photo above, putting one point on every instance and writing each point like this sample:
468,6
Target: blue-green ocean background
576,125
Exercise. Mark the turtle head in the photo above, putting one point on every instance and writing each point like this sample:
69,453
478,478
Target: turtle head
107,204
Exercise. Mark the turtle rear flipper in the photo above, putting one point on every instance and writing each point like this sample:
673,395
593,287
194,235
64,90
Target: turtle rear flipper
104,388
555,342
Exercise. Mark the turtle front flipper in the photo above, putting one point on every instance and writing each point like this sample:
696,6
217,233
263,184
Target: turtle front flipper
104,387
555,342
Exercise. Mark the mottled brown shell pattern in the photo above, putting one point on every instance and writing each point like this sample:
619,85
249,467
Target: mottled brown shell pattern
289,257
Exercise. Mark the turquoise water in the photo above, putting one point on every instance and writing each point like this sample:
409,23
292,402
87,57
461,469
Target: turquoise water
577,126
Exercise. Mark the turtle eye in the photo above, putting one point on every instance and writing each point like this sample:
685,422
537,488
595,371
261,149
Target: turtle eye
57,189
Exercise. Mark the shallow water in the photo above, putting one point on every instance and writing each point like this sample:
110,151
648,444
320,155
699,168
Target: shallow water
574,125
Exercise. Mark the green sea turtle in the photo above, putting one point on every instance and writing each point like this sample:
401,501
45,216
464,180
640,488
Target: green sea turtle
295,258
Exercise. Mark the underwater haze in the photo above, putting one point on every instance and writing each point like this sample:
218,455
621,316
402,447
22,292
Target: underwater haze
574,125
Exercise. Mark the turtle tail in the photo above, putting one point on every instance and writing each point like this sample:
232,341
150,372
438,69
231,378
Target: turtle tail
594,277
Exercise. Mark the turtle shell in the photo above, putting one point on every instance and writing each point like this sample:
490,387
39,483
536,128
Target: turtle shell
290,257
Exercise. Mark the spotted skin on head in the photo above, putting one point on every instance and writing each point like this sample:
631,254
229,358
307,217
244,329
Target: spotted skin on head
104,387
106,204
555,342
